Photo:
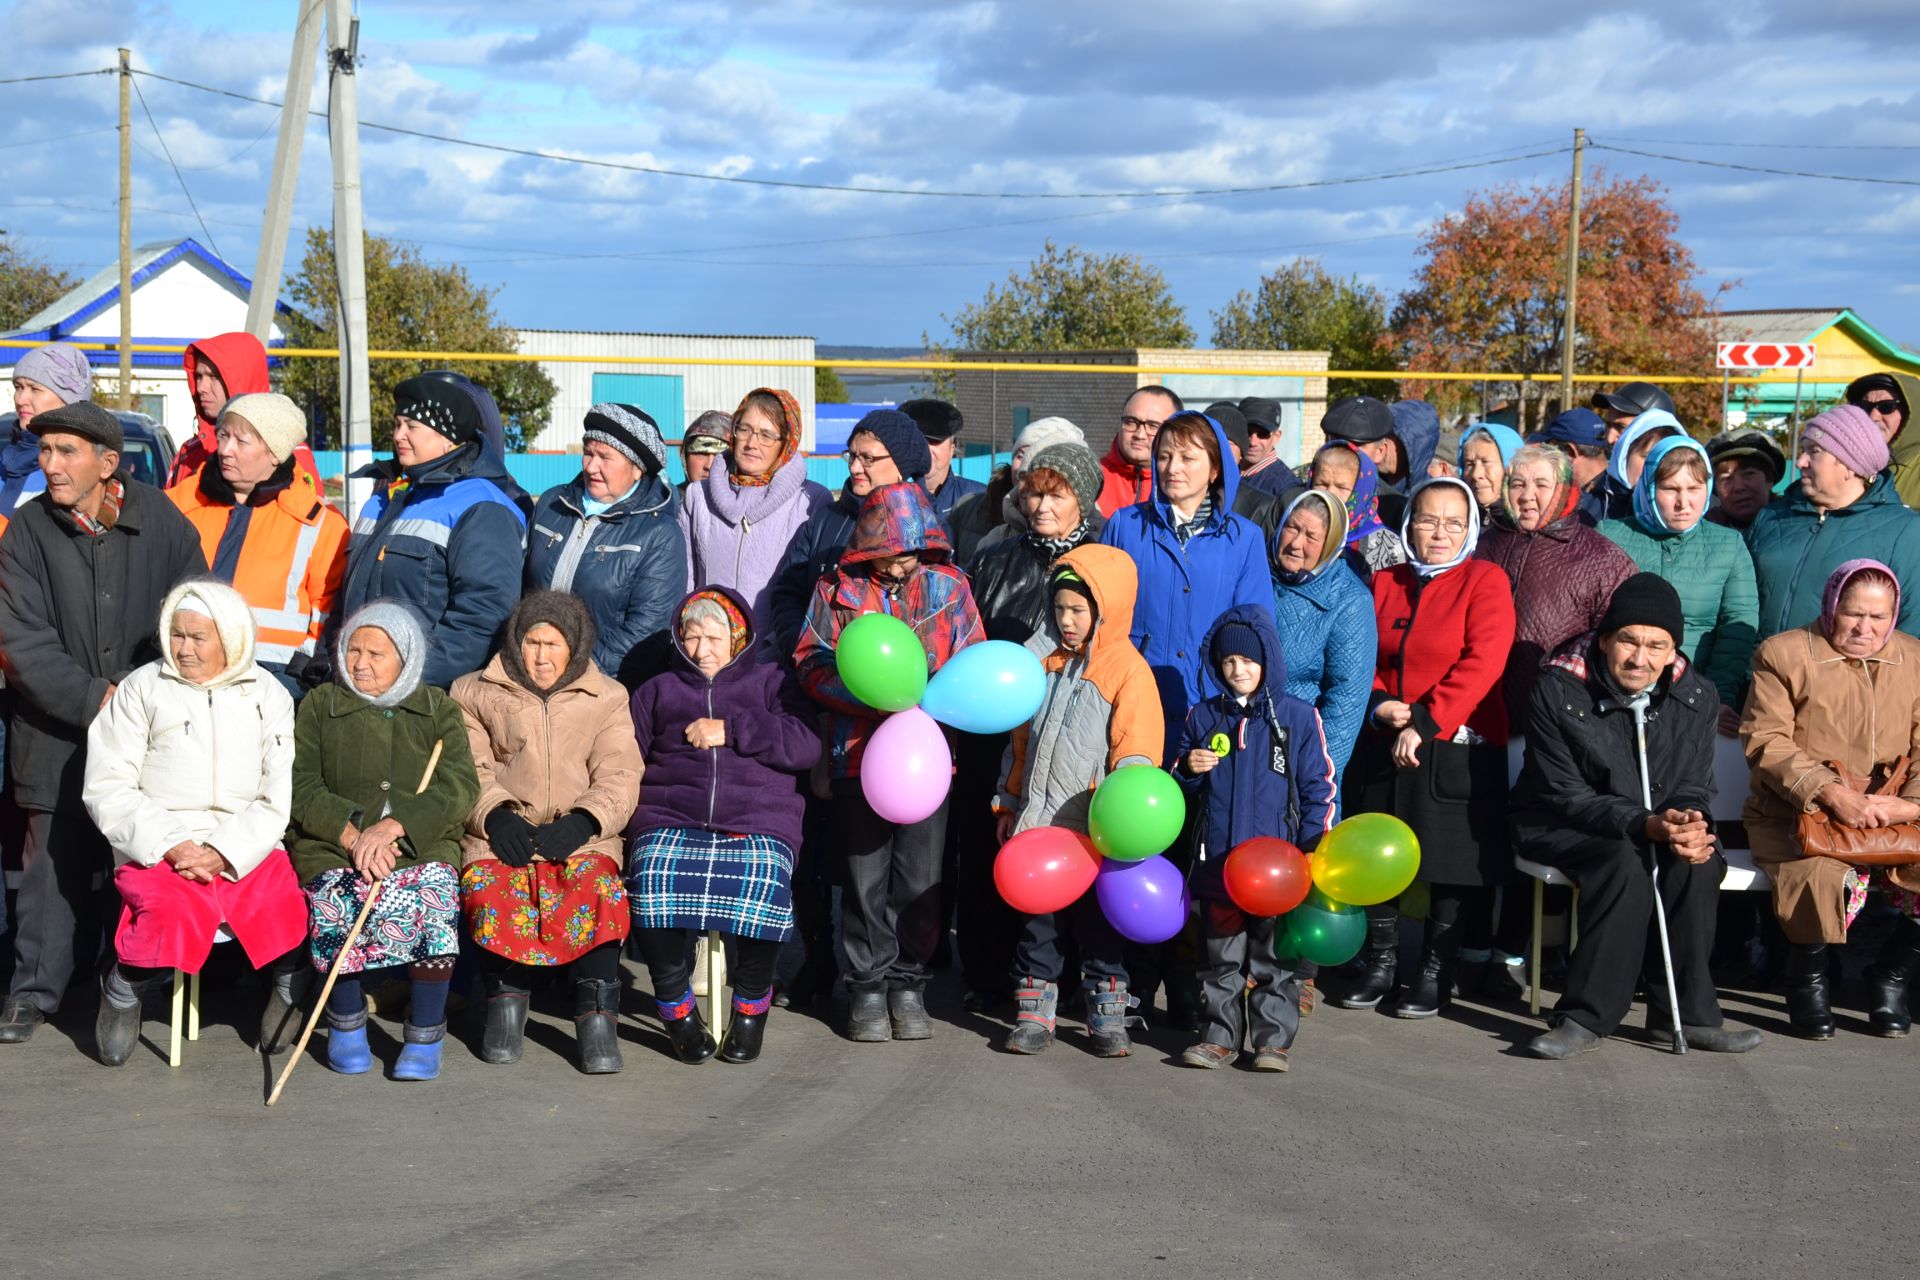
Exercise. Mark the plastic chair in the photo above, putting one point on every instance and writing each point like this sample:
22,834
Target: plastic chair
186,992
716,980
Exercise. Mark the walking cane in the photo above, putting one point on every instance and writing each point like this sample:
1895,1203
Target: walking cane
353,935
1653,864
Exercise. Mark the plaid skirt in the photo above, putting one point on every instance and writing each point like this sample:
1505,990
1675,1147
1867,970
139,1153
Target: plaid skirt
417,917
545,913
683,878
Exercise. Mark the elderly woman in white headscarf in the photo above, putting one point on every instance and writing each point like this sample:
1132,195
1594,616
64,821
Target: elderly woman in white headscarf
189,776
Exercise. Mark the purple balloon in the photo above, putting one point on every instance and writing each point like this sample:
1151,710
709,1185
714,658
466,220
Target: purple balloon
1145,901
906,768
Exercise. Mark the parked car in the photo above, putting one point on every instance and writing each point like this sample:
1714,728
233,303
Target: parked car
149,452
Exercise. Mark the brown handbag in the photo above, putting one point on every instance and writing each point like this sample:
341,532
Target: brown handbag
1821,836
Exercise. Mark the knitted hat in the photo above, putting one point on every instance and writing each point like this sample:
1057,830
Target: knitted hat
1041,432
1575,426
1232,421
564,612
1846,431
900,436
1645,600
1260,413
409,636
59,368
1068,580
1359,420
938,420
1756,447
89,421
440,404
711,432
1236,639
1076,463
274,418
627,430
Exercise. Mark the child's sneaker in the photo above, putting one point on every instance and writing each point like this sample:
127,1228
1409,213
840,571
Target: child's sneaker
1270,1058
1033,1024
1108,1020
1208,1056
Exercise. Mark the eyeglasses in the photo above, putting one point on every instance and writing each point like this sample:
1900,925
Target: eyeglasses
866,461
764,437
1881,407
1432,523
1260,429
1139,424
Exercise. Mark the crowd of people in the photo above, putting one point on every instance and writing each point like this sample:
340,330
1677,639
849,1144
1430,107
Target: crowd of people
473,738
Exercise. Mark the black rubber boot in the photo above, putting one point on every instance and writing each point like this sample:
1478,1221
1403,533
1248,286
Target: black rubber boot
1380,959
116,1031
288,980
1887,981
1809,1008
907,1010
506,1013
1432,988
688,1035
867,1019
744,1034
596,1025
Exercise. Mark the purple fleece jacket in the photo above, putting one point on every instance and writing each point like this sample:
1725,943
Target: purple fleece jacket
750,786
738,537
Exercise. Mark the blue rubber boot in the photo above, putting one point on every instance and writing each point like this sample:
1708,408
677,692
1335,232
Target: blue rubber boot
347,1050
420,1057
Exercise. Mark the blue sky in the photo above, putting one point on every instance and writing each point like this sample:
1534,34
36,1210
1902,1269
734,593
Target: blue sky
1064,97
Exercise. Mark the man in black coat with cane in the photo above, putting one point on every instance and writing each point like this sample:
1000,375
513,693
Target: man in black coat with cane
1615,791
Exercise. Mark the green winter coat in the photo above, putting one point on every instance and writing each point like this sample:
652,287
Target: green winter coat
1709,567
353,761
1795,548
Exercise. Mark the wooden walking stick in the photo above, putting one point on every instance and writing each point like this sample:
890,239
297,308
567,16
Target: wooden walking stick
353,935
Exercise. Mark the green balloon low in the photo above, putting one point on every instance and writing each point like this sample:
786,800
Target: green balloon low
1321,930
1368,859
882,662
1136,813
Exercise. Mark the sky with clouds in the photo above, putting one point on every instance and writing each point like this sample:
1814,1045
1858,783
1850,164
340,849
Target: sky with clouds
1064,98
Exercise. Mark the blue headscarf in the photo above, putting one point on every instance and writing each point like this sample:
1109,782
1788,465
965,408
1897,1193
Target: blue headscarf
1648,421
1645,511
1505,439
1467,545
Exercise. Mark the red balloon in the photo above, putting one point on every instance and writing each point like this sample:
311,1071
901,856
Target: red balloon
1266,876
1045,869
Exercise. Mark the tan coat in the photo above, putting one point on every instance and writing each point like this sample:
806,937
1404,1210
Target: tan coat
1810,704
573,750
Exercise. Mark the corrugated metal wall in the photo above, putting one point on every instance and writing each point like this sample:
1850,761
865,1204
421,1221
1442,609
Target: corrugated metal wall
705,386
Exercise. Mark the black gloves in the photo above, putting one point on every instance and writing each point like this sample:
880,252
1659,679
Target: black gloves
511,837
562,838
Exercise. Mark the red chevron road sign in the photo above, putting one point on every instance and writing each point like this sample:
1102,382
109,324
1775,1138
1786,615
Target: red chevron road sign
1764,355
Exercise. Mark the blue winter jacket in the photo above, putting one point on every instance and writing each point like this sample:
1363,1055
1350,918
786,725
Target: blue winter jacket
1327,626
20,474
629,564
956,488
1795,548
1417,424
1275,778
450,544
1183,588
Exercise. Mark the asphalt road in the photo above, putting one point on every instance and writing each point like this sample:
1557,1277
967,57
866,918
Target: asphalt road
1391,1148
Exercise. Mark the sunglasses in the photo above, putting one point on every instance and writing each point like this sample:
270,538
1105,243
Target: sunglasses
1259,429
1881,407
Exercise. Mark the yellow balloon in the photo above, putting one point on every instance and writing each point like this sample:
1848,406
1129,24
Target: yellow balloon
1368,859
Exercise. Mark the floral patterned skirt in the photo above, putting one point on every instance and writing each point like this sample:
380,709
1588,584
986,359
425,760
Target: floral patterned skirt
545,913
417,917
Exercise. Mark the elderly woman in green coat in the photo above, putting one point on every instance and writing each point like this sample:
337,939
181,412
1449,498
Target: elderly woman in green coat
1706,563
383,781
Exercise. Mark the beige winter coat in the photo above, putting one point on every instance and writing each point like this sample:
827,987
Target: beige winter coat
575,749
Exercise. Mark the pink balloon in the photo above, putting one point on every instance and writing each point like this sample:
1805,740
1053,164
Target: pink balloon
906,768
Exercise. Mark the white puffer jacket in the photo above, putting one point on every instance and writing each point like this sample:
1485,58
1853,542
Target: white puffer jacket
170,760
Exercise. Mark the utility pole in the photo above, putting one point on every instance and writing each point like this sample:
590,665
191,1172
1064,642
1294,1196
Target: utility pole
267,264
349,248
126,232
1573,275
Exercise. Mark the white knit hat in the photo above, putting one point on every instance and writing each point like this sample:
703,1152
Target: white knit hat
274,418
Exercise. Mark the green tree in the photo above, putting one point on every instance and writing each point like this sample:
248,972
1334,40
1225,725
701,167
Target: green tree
26,283
411,306
1303,307
1068,300
827,387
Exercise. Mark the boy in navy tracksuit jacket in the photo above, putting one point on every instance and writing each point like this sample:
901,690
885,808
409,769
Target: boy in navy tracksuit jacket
1254,762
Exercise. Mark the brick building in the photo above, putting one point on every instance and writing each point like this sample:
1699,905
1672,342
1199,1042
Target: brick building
997,404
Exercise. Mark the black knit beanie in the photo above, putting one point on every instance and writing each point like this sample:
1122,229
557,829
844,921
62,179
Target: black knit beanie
1645,600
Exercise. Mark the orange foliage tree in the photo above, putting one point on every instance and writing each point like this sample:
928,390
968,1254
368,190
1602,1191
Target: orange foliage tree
1490,294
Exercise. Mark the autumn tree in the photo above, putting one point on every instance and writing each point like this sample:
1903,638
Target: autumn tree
1069,300
27,283
1301,306
412,305
1489,294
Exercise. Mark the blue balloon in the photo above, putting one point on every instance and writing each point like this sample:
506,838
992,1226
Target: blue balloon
1145,901
991,687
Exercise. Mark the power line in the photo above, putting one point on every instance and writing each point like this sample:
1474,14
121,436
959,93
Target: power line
1755,168
64,75
1782,146
532,153
182,178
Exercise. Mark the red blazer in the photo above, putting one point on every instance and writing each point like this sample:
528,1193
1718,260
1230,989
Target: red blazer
1443,647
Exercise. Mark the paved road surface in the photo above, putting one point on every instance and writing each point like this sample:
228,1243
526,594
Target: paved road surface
1392,1148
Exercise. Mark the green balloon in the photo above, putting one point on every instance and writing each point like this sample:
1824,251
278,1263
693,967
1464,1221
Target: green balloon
1136,812
1368,859
882,662
1322,930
